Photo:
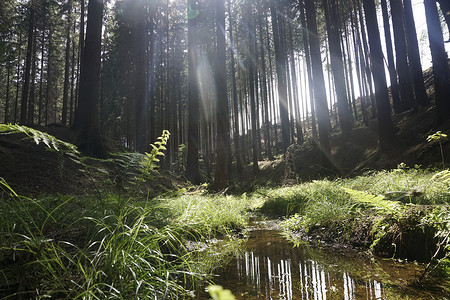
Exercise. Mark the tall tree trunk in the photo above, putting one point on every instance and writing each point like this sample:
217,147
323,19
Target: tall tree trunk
265,94
222,114
251,60
67,65
390,58
16,101
337,67
281,74
365,63
439,59
306,44
86,118
41,79
32,96
323,119
192,167
8,87
414,56
236,133
28,61
385,126
445,7
406,91
140,36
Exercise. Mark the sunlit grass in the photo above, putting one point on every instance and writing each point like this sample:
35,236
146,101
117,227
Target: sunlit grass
113,247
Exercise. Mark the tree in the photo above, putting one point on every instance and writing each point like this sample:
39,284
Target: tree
67,65
193,142
222,114
440,60
385,126
28,62
445,7
86,119
406,91
390,58
236,133
280,57
337,65
140,44
414,56
323,119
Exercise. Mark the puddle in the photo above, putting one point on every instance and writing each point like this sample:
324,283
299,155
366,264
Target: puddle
271,268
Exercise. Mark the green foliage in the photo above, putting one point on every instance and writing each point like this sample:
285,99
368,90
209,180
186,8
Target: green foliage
148,165
443,176
440,138
211,214
78,248
38,136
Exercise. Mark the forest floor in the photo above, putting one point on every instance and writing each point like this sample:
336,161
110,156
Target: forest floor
35,169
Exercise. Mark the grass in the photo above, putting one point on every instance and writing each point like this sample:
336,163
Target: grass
386,210
82,248
116,247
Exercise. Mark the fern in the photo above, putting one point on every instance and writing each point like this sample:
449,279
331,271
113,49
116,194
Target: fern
150,159
376,201
443,176
38,136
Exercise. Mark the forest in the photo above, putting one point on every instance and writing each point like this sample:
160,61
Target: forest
148,146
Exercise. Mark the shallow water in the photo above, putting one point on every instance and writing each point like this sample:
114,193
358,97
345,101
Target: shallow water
272,268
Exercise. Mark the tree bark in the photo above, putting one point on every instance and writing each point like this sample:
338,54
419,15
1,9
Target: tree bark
337,67
86,119
28,61
323,119
281,74
385,125
192,167
390,59
222,114
406,91
414,56
67,66
440,61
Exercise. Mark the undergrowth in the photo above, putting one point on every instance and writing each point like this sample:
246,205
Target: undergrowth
390,211
113,248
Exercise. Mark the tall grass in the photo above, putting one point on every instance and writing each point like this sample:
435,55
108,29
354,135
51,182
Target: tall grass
363,210
114,248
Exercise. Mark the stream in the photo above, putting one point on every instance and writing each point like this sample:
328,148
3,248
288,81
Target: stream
270,267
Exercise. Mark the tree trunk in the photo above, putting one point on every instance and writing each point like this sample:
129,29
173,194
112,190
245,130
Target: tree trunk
222,114
192,167
385,126
440,61
236,133
251,77
406,91
28,61
414,56
306,44
390,58
337,67
8,87
281,74
86,119
445,7
67,66
323,119
140,37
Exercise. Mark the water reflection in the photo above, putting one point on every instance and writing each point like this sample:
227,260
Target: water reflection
271,268
273,279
